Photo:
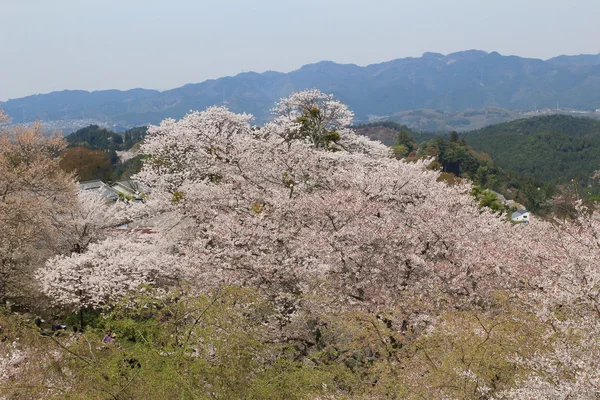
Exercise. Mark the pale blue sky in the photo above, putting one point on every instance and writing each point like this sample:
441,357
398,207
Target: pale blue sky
48,45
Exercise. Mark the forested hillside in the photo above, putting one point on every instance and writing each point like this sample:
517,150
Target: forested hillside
456,158
98,153
554,148
95,138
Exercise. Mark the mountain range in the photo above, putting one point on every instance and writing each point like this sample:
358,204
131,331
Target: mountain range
450,83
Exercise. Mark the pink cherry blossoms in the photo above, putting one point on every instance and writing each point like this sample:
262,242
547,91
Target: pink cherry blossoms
305,210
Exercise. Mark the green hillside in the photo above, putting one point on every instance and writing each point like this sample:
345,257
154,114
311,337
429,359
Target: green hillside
96,138
92,153
554,148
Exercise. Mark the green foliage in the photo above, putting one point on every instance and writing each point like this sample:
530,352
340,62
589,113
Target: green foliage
453,138
133,136
177,197
488,199
405,144
220,346
387,124
554,148
91,318
470,356
311,126
457,158
400,151
173,347
405,139
96,139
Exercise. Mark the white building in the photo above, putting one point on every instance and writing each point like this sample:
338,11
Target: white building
520,216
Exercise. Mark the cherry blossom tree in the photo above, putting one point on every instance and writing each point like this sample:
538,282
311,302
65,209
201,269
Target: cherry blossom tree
33,191
563,287
281,213
107,271
325,224
191,148
88,220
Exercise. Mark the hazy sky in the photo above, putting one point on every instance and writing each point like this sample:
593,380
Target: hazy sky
48,45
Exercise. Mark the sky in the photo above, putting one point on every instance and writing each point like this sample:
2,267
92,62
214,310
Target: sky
121,44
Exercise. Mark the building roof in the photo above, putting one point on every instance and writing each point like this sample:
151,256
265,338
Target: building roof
519,213
132,186
109,193
87,185
130,189
102,188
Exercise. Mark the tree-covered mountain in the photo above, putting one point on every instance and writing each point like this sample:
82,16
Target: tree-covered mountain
555,148
97,138
449,83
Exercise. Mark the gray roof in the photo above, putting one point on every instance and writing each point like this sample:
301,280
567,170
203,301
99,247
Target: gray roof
109,193
518,213
127,188
132,186
100,187
87,185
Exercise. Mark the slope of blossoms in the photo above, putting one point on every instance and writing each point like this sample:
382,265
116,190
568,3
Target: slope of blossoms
326,224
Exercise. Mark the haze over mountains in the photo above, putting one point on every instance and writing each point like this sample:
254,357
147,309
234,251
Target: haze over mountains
448,83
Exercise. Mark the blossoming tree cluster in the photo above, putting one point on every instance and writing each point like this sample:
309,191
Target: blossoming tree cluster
33,192
325,222
263,208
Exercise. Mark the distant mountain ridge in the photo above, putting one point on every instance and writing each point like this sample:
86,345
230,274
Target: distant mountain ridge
449,83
